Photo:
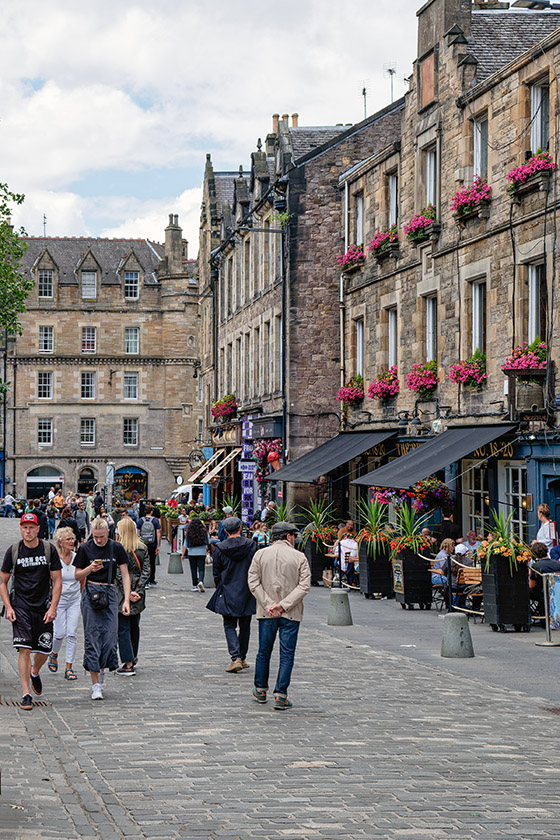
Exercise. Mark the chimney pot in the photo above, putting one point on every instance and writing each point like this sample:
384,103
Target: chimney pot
176,220
171,218
295,120
285,117
275,118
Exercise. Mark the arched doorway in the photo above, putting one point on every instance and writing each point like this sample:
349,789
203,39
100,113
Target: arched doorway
131,483
86,481
40,480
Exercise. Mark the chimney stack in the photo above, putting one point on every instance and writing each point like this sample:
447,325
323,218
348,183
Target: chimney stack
295,120
275,118
174,245
285,117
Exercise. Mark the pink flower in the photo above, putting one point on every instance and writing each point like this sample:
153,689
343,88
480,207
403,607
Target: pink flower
540,162
470,197
386,385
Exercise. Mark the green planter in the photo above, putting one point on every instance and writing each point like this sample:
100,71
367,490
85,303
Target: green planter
506,596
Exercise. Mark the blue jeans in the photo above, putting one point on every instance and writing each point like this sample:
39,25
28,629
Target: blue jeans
8,511
237,642
288,632
197,564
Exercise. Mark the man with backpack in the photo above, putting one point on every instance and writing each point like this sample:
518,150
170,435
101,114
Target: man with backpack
34,564
149,531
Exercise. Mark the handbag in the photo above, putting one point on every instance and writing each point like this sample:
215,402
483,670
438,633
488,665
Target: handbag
99,598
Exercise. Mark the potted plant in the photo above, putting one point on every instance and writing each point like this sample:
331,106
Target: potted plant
385,243
472,201
505,581
376,574
527,365
318,536
351,394
470,372
422,225
531,175
353,258
225,407
412,580
430,494
423,378
385,386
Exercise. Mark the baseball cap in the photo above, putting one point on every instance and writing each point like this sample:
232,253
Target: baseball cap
227,509
461,548
29,517
231,524
283,528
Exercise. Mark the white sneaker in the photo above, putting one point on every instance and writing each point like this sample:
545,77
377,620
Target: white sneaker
200,586
96,692
101,679
195,589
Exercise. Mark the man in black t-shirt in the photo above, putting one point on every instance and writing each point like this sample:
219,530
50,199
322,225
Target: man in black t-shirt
447,530
34,565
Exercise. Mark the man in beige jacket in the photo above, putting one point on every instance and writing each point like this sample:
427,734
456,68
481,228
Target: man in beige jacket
279,578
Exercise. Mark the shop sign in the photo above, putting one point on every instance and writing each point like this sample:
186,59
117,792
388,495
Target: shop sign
398,577
249,467
267,428
405,446
376,451
495,449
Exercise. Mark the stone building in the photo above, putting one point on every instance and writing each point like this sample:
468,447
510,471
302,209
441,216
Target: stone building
482,100
270,290
103,371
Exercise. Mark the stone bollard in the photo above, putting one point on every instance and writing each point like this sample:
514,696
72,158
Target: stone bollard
339,609
209,577
456,640
175,566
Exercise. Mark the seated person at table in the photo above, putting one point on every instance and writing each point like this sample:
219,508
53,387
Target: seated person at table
347,550
440,563
545,565
427,534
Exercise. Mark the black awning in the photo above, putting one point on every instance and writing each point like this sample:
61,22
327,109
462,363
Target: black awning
330,455
435,454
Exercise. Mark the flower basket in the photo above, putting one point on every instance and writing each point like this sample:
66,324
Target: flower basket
531,176
385,243
470,372
430,494
423,378
352,394
225,408
352,259
422,225
385,386
469,202
528,362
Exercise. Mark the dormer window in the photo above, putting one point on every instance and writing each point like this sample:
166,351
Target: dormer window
89,285
131,285
45,284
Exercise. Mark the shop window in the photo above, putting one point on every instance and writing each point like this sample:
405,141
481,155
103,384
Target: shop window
540,126
476,496
480,147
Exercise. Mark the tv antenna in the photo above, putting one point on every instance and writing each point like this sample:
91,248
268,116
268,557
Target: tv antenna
390,69
364,84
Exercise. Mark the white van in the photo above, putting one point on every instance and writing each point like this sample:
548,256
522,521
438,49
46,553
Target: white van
192,491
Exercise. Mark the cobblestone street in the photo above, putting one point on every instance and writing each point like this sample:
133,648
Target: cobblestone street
383,741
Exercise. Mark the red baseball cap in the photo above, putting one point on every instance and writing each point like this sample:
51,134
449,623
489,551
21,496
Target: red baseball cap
29,517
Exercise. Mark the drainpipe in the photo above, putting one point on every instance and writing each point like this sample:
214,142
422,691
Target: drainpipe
342,307
214,280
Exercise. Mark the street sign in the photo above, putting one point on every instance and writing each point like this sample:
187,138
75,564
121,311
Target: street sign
247,466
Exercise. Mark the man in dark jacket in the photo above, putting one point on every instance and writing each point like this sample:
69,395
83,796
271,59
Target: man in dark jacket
42,520
232,598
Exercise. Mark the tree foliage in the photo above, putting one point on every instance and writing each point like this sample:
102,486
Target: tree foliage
14,285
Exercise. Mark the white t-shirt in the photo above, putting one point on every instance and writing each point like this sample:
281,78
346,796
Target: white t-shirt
347,546
70,586
547,534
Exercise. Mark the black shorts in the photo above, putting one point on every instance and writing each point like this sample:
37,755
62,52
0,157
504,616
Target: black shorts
30,631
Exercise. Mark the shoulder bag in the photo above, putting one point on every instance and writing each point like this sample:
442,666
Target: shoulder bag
99,598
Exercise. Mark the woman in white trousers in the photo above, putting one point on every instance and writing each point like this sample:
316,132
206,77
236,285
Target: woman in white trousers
68,614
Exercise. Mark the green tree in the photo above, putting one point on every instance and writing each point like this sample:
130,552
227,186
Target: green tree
14,285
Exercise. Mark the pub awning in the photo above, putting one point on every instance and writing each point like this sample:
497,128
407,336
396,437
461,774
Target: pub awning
219,468
330,455
433,455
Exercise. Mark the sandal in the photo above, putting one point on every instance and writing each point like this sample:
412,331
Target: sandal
70,674
53,662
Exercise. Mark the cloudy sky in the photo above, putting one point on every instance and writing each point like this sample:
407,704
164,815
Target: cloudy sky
107,109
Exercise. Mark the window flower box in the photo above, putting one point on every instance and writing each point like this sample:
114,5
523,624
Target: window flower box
471,372
225,408
385,386
423,226
385,244
471,202
352,394
532,176
352,260
423,378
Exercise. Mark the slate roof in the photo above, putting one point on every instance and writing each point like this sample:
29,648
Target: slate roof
67,252
306,138
501,36
224,186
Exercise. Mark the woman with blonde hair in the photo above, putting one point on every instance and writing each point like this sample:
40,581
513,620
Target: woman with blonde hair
139,573
68,614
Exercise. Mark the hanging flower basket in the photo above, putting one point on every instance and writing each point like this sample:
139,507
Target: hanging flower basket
385,386
471,372
423,378
261,450
385,243
352,394
225,407
353,258
535,174
472,201
430,494
421,225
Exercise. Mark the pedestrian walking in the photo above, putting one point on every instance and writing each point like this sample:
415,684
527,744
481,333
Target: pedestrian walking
68,521
9,505
51,519
82,521
149,531
42,520
139,573
232,598
59,502
89,506
279,578
196,546
68,614
96,562
35,565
